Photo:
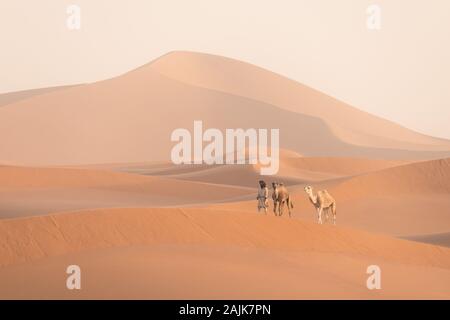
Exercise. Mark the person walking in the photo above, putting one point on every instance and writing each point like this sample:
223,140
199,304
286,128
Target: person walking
263,196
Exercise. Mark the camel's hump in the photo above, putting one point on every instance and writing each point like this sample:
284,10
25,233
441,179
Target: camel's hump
324,193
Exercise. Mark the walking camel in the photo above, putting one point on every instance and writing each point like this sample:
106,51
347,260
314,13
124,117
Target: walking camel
323,201
280,196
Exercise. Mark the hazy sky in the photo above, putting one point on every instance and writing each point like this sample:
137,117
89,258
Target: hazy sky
401,72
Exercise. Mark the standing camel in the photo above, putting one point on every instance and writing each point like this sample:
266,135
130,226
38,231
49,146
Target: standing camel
323,201
280,196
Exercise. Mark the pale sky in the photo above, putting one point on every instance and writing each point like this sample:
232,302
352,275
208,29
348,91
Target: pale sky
401,72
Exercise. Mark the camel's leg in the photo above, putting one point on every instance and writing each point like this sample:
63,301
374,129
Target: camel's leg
289,204
281,206
333,209
319,213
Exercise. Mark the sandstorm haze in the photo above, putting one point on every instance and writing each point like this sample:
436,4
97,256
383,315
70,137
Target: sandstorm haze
400,72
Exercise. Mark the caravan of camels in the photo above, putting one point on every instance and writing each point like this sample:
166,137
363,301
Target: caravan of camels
321,200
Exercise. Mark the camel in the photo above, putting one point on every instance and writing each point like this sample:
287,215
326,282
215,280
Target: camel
323,201
280,196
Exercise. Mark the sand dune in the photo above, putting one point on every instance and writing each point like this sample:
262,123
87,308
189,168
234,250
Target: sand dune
381,196
440,239
170,247
417,178
246,175
48,190
170,169
12,97
294,169
246,80
211,272
70,232
339,166
68,127
28,191
404,200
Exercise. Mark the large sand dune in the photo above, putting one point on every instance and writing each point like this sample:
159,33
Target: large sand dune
246,80
120,119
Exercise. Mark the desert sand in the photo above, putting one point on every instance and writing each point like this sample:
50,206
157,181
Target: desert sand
203,253
85,179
